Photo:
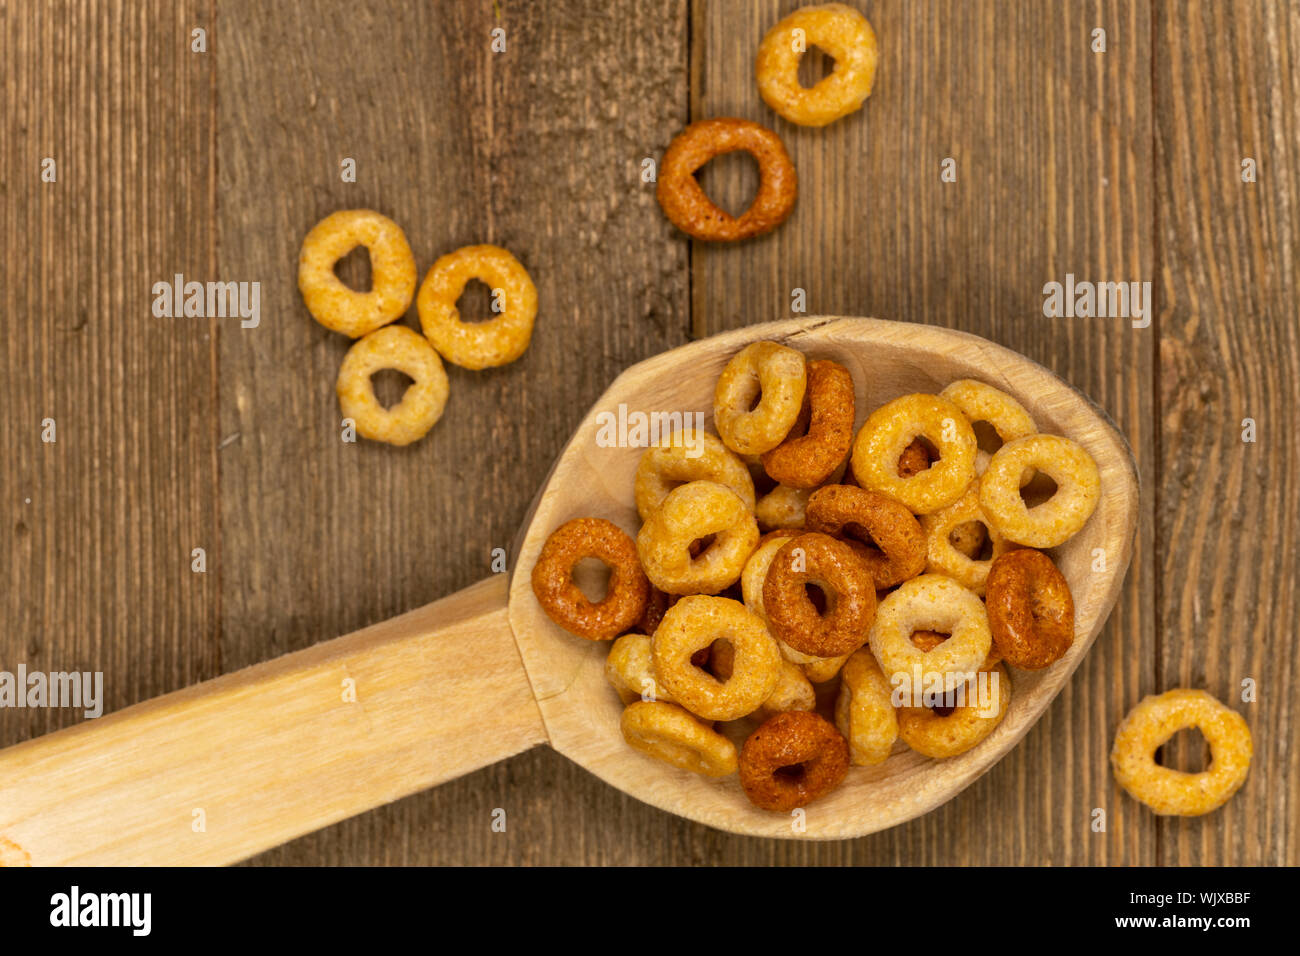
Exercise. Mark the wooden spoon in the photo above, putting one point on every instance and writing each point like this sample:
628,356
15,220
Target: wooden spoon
236,765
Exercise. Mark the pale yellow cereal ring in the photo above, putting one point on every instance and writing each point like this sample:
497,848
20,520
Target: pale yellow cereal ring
773,375
403,349
1055,521
689,455
392,272
668,733
840,31
1171,792
864,710
931,602
694,623
892,427
984,403
793,692
976,708
630,670
690,512
477,345
943,557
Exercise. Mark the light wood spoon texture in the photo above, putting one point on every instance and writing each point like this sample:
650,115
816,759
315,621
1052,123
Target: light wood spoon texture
274,751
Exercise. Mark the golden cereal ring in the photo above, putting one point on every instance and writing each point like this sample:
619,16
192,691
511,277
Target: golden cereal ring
1055,521
630,671
1171,792
690,512
935,603
668,733
971,714
984,403
793,759
774,375
830,565
864,710
392,347
562,599
693,624
392,272
840,31
871,518
808,460
669,464
793,692
943,557
476,345
684,202
892,427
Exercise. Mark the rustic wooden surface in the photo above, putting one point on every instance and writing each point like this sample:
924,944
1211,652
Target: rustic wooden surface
184,433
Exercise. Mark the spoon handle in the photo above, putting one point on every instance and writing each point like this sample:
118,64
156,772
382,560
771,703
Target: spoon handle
233,766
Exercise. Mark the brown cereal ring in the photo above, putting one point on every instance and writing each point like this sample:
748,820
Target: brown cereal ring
793,691
1031,611
975,709
476,345
791,760
914,459
392,272
669,464
1055,521
392,347
892,427
864,710
1168,792
690,210
773,375
984,403
668,733
871,518
942,557
562,599
807,461
629,670
695,623
840,31
691,512
819,560
936,603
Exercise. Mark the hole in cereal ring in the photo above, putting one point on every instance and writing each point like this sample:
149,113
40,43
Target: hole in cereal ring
700,545
353,270
931,451
1040,488
390,385
591,575
731,180
814,66
475,303
817,596
792,774
1187,751
986,436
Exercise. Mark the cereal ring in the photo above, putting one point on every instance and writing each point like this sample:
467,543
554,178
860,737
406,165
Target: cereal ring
1055,521
629,670
656,605
690,210
864,710
668,733
837,29
670,464
972,711
392,272
819,560
393,347
892,427
984,403
943,557
871,518
1171,792
808,460
793,692
773,375
1031,611
691,512
936,603
562,599
695,623
476,345
793,759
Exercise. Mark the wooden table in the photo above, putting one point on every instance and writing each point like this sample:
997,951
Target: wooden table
176,434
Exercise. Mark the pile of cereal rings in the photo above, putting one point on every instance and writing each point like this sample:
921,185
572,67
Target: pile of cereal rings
822,595
367,317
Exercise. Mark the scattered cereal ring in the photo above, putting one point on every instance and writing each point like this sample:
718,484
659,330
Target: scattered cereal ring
819,560
892,427
871,518
808,460
669,464
793,691
477,345
392,347
975,708
695,623
840,31
629,670
562,599
668,733
791,760
1031,611
984,403
773,375
931,602
392,272
943,557
690,210
1059,518
1171,792
691,512
864,710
